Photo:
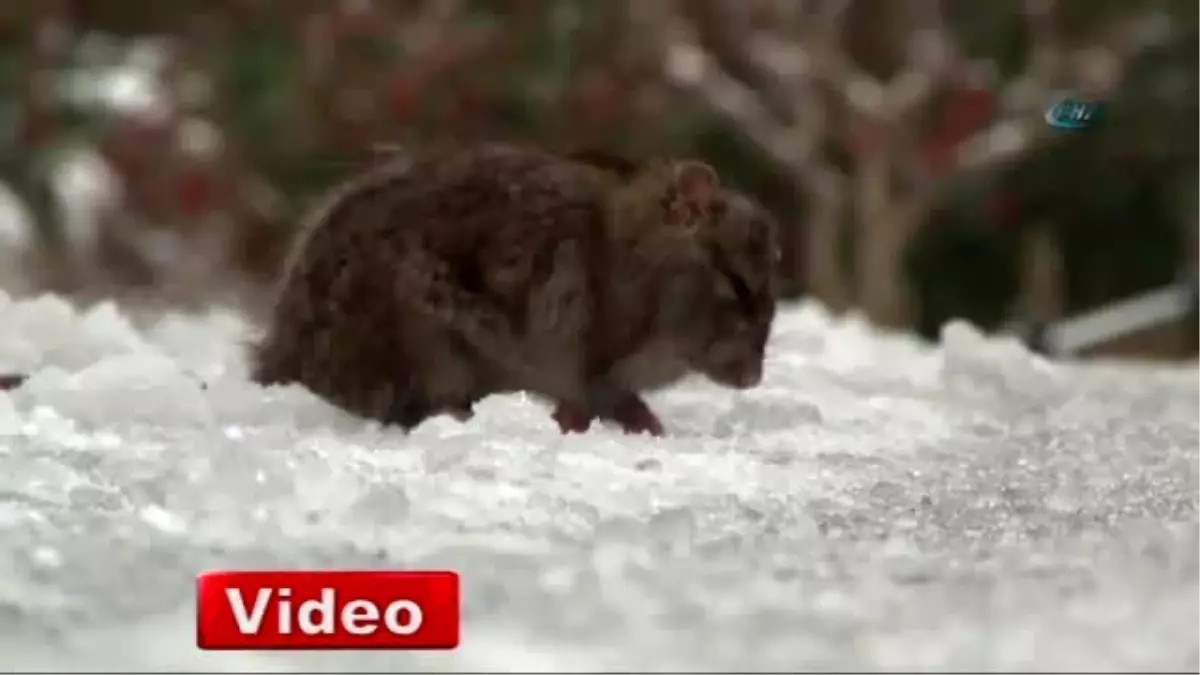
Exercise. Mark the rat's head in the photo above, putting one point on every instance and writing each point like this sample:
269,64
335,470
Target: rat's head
716,251
733,293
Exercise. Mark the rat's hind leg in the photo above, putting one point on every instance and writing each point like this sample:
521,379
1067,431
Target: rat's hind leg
448,378
408,392
360,370
571,417
390,390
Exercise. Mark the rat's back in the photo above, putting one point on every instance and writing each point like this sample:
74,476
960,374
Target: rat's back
408,271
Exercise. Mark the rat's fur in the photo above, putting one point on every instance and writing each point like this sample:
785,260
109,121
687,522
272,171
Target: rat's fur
448,275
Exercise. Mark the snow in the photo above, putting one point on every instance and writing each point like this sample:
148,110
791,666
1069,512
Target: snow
876,504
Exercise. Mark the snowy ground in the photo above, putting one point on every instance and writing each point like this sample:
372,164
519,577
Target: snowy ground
876,504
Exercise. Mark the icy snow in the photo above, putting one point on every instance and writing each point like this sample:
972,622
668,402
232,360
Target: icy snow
876,504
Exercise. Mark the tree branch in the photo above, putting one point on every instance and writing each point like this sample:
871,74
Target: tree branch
720,32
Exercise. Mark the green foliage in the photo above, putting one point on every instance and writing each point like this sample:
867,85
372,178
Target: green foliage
992,30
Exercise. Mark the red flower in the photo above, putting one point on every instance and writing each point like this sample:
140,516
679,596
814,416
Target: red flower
404,90
196,188
1004,209
966,112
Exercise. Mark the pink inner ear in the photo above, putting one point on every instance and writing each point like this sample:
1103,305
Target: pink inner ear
696,181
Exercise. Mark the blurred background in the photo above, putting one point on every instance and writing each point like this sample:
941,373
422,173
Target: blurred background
161,153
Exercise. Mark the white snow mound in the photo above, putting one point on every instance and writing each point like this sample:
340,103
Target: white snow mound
876,504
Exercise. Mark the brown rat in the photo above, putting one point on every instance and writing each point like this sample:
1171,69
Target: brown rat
442,277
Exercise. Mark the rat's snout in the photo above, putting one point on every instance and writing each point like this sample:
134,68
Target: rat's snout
751,377
748,373
741,371
736,358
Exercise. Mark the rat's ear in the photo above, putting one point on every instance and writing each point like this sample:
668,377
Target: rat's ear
696,183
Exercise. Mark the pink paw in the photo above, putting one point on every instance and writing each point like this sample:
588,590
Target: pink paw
572,418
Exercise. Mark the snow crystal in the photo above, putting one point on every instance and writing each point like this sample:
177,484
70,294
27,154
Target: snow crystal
878,503
163,520
10,418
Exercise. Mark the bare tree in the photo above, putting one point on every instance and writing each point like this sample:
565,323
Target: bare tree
782,71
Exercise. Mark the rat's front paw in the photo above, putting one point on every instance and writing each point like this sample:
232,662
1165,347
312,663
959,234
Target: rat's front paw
572,418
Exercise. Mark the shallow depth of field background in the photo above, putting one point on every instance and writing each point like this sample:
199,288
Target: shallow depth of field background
161,153
881,502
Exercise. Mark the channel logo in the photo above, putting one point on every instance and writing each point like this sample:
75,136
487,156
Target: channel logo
1070,114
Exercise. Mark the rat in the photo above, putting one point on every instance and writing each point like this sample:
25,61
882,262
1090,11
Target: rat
447,275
